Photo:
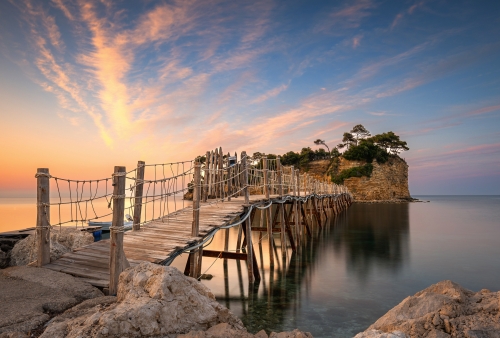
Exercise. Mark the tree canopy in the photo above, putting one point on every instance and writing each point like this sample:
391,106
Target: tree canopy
319,141
359,132
390,142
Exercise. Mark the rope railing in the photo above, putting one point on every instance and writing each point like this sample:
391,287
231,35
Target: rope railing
152,192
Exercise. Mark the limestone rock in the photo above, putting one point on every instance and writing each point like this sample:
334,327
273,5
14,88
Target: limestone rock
61,241
380,334
153,301
291,334
222,330
225,330
29,295
388,181
443,310
4,259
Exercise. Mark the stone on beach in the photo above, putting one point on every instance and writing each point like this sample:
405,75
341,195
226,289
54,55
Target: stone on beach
29,295
152,301
443,310
62,240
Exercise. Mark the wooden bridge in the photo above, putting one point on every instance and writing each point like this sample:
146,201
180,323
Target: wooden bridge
225,193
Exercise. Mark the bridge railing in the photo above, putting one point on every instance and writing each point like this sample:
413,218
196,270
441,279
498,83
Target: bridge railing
150,192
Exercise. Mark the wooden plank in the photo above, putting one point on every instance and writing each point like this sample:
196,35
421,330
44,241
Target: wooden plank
225,254
100,283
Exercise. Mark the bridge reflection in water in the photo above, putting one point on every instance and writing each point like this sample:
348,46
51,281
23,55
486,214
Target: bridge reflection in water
312,288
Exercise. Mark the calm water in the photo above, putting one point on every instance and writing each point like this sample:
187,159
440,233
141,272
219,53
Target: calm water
365,263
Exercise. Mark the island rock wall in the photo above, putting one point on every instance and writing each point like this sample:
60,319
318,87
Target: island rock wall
388,181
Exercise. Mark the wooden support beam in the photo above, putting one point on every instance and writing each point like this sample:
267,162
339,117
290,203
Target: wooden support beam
248,237
195,227
139,186
206,176
280,207
117,260
225,254
268,211
43,216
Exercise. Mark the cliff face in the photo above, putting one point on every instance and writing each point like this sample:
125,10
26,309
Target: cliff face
388,181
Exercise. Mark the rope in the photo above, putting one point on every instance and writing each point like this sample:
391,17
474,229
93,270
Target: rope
40,174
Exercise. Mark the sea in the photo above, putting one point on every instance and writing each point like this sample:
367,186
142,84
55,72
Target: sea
352,271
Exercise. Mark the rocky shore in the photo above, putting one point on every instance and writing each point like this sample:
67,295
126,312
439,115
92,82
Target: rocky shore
158,301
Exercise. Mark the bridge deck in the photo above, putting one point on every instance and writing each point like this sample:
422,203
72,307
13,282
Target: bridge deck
153,243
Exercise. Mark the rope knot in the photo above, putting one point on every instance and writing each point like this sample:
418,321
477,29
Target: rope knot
40,174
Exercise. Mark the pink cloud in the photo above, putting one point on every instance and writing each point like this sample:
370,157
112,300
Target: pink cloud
356,41
271,93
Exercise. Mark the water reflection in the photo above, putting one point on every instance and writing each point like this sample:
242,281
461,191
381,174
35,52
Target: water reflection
374,235
307,289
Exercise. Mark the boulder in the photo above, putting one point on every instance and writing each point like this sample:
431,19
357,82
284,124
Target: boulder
30,295
443,310
62,240
225,330
380,334
4,259
152,301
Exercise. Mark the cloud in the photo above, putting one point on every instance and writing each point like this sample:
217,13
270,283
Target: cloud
399,17
62,6
348,16
271,93
356,41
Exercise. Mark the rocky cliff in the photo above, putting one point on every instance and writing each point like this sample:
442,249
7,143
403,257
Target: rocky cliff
387,182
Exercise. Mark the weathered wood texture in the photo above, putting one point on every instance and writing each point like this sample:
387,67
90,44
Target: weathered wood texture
154,242
43,216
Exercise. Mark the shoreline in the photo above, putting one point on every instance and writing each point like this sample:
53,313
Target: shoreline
55,304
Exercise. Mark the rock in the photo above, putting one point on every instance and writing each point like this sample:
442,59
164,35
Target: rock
388,181
29,295
152,301
4,259
225,330
442,310
61,241
14,335
291,334
380,334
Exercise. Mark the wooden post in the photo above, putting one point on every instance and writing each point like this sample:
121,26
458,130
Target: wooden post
250,258
195,228
244,162
117,260
212,174
216,173
206,176
229,179
268,212
139,186
281,207
221,177
43,216
196,200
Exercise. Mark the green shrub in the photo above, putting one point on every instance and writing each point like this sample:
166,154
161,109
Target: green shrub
366,151
364,170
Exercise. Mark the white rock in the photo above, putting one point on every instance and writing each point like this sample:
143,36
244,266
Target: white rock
442,310
153,301
61,241
380,334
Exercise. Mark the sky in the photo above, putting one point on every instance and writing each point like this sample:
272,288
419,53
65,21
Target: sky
88,85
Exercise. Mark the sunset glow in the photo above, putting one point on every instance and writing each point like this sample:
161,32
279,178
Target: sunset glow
87,85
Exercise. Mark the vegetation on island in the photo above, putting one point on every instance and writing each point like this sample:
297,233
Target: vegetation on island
357,145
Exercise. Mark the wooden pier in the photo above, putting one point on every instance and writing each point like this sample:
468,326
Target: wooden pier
221,199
